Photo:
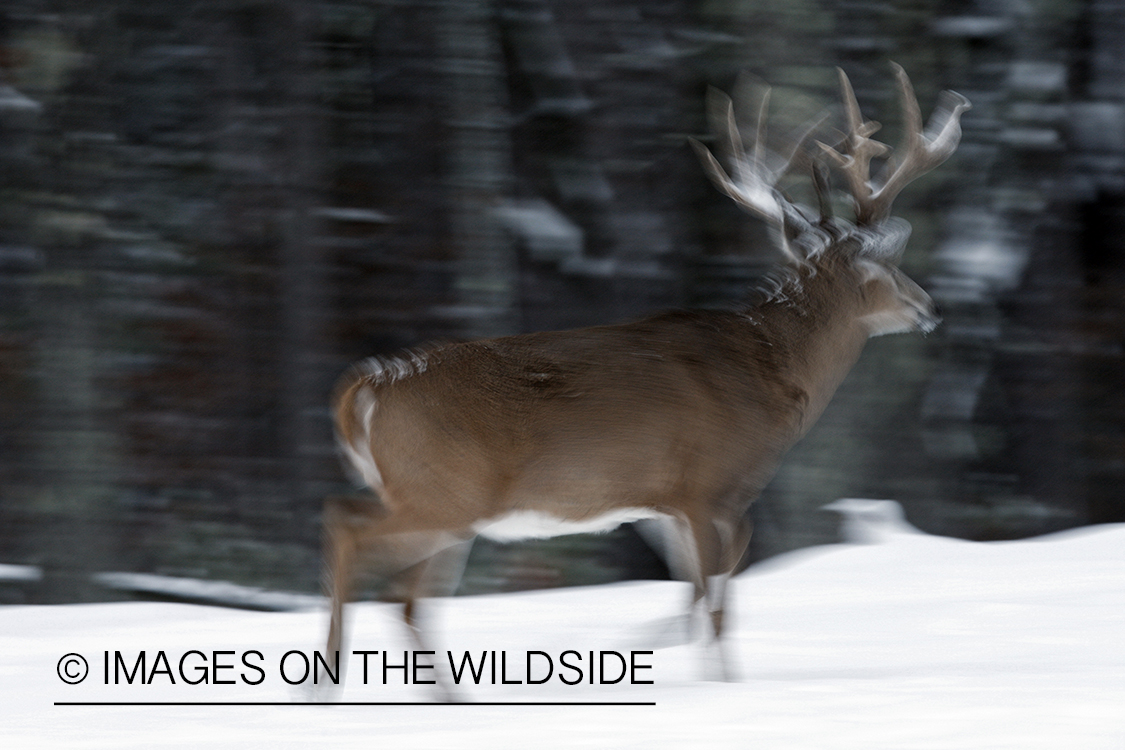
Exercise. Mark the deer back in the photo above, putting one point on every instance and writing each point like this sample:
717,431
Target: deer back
677,405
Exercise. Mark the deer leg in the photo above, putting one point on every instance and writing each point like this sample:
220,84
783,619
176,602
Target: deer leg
690,570
719,547
344,517
732,545
709,556
671,538
354,525
437,576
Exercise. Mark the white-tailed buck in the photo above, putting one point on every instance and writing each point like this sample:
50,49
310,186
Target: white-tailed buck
682,416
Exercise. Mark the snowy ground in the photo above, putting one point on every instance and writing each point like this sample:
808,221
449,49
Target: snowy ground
915,642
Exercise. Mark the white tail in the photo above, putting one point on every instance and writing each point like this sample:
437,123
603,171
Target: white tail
682,416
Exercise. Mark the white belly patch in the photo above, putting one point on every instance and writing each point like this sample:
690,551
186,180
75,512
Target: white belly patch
536,524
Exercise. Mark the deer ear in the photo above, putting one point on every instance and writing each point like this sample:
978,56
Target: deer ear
886,241
870,270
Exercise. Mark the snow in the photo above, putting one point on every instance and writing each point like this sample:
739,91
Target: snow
914,641
20,573
221,593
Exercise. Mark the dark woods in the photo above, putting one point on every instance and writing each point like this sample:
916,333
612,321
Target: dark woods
208,210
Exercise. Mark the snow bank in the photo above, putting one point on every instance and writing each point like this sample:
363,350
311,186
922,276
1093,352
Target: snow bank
912,642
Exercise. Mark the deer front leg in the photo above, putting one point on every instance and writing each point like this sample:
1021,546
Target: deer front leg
719,546
733,539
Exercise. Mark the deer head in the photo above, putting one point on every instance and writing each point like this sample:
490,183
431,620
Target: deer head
871,246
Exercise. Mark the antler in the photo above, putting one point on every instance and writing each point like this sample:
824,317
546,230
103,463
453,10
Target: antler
922,151
756,171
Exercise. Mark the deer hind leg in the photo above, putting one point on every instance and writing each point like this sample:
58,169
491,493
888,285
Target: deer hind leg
344,518
436,576
404,545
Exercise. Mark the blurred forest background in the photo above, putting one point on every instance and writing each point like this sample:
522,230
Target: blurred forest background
209,208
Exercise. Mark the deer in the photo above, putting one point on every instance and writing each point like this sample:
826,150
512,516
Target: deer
683,416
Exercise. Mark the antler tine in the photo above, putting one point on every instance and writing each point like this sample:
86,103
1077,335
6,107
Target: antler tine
760,135
923,149
860,150
726,119
780,162
753,184
755,171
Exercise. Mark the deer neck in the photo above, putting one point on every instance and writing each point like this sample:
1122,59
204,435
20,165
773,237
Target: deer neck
814,321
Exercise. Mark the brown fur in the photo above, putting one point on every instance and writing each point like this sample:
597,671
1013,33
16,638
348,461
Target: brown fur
683,414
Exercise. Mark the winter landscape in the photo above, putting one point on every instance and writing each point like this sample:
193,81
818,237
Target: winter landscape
895,640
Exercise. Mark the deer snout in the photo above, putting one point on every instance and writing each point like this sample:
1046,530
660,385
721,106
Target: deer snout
920,305
929,318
